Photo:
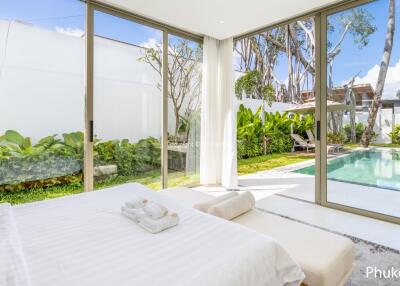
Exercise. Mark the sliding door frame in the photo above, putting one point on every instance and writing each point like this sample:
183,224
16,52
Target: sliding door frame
88,173
91,7
323,112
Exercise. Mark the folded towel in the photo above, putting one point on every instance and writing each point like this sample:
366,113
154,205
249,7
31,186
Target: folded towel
234,206
204,206
136,203
158,225
155,210
133,214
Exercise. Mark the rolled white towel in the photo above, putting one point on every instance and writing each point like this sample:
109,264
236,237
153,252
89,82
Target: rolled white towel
158,225
155,210
133,214
136,202
233,207
204,206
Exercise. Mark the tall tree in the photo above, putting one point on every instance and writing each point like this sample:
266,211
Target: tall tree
387,51
184,78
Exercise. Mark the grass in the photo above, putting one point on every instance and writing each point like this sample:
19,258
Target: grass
388,145
267,162
150,179
356,145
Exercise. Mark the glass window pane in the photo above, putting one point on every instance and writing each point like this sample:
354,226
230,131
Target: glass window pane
275,78
363,168
184,102
42,58
127,102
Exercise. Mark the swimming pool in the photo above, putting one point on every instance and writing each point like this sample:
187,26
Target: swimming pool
377,168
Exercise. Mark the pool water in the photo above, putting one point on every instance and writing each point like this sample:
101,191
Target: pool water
377,168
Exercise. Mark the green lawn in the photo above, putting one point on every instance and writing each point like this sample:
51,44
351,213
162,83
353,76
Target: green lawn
150,179
267,162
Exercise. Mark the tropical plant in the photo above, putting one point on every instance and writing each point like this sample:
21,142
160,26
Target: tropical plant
256,136
336,138
249,132
395,135
251,85
302,123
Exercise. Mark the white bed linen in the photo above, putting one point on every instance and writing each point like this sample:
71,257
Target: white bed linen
84,240
13,270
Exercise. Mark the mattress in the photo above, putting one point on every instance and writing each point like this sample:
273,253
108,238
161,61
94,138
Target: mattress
84,240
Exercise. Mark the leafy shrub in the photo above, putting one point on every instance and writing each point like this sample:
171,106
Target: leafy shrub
395,135
248,149
359,132
53,161
279,143
270,135
249,133
303,123
336,138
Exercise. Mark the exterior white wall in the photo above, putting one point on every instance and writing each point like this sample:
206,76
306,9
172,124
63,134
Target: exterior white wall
42,86
254,104
383,125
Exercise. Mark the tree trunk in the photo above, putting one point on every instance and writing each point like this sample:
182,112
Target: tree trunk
373,111
176,125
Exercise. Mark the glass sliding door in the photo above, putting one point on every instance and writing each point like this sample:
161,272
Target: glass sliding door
362,109
42,58
184,101
275,79
127,104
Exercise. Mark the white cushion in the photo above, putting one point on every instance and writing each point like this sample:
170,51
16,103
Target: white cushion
325,258
205,206
234,206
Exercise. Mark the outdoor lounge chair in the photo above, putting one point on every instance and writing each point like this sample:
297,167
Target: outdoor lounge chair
300,142
331,148
310,135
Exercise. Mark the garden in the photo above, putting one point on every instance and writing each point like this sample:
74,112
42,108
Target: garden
53,166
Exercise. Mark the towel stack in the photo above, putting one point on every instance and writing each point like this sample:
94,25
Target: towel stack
151,216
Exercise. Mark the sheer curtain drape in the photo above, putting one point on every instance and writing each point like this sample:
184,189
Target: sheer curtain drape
218,164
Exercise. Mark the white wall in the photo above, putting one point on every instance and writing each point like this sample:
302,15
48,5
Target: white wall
42,86
254,104
383,124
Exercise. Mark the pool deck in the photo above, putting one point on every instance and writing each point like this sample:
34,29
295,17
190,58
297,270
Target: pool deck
282,181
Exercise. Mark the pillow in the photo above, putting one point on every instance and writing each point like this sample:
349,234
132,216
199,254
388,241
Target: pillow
207,204
234,206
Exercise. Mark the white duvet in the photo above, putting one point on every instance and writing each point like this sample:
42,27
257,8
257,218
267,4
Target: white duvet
84,240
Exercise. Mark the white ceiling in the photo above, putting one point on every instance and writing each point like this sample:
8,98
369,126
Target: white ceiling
219,18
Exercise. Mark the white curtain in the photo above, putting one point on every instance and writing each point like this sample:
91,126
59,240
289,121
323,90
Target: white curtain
218,164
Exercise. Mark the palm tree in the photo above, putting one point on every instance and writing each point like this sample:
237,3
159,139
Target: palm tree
387,51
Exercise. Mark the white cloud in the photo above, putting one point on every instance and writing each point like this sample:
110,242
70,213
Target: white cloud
75,32
151,43
392,83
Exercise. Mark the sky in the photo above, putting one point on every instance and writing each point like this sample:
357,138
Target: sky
366,61
68,16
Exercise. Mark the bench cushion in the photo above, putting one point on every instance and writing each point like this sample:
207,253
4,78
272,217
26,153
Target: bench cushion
326,258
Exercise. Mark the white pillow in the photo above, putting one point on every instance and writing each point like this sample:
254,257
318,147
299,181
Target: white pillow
234,206
204,206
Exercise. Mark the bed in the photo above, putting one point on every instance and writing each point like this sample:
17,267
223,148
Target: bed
84,240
